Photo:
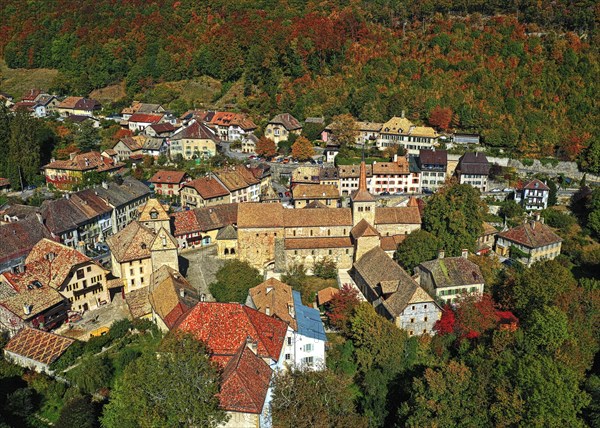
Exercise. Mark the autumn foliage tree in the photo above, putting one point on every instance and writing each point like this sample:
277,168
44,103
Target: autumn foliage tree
342,305
303,149
441,117
266,147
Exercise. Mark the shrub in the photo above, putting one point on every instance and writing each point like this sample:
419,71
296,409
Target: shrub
325,268
119,328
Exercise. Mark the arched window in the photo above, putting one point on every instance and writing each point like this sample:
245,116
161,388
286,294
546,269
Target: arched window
232,251
226,251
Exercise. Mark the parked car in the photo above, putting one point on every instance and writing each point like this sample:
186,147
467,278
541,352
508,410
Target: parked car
281,194
103,248
384,194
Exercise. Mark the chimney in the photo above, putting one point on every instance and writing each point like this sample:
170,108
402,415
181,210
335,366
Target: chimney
182,292
50,256
403,113
441,254
26,308
464,253
40,218
72,155
67,195
269,289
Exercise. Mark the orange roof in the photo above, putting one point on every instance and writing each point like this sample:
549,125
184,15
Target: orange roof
310,243
274,298
325,295
315,191
84,162
168,177
224,327
363,228
245,382
207,187
146,118
397,215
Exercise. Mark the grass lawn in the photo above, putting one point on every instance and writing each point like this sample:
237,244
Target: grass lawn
312,285
17,81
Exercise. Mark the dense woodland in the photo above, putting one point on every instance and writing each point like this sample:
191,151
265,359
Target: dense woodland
523,73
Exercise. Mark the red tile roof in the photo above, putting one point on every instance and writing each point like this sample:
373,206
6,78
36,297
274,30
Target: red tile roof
145,118
85,162
245,382
38,345
536,185
168,177
397,215
195,131
224,327
207,187
531,235
159,128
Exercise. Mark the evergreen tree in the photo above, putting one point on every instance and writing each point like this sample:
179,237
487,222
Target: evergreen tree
24,150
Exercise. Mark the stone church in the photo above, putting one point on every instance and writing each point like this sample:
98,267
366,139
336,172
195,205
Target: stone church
271,237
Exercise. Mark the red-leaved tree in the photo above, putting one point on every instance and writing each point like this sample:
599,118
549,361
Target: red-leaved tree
341,306
441,117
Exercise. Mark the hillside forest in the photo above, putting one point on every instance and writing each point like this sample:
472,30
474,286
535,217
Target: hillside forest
521,73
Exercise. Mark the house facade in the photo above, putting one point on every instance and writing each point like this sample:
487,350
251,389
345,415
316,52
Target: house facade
169,183
473,169
305,194
204,192
195,141
66,174
281,126
78,106
533,196
401,131
531,242
394,294
433,165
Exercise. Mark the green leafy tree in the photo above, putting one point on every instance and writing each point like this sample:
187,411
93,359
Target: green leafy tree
233,280
418,247
91,374
23,150
306,398
325,268
295,276
552,199
547,327
5,119
176,388
79,412
455,216
87,137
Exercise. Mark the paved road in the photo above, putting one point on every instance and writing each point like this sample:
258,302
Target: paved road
200,267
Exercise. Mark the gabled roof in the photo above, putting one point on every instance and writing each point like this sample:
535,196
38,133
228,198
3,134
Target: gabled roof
317,217
78,103
138,303
236,178
19,237
325,295
369,126
171,295
531,235
390,243
227,233
453,271
363,228
288,121
162,128
207,187
226,119
195,131
38,345
86,162
146,118
397,215
433,157
117,195
388,281
274,298
168,177
399,167
131,243
51,263
15,294
353,171
312,243
224,327
362,193
204,219
315,191
62,215
133,143
308,320
252,215
245,382
473,163
153,143
153,210
536,184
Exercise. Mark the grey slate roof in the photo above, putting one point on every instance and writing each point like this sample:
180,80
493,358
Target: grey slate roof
123,194
473,163
228,232
308,319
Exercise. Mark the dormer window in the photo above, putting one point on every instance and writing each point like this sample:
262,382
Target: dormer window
153,215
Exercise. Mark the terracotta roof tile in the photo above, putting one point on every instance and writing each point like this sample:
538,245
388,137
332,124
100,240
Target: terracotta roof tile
224,327
245,382
325,295
146,118
207,187
195,131
363,228
18,238
288,121
236,178
317,217
310,243
131,243
38,345
315,191
153,210
390,243
138,303
531,235
256,215
86,162
397,215
165,294
536,185
274,298
168,177
400,167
